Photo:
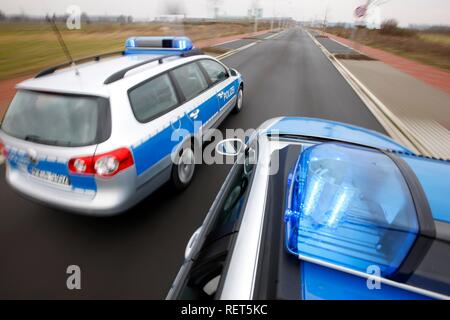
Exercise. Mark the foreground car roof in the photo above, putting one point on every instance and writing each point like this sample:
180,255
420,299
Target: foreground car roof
320,128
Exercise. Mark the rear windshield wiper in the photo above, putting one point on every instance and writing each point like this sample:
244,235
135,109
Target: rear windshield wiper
36,138
32,138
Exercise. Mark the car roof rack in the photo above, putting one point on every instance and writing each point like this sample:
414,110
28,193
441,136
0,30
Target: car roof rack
82,60
121,74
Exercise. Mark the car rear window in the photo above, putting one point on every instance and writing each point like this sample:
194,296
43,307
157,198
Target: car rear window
58,119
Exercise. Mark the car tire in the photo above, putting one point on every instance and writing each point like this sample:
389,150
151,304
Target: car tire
240,100
184,168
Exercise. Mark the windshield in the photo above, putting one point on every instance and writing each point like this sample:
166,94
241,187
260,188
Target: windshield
56,119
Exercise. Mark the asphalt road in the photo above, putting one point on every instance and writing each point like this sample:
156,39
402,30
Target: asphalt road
137,254
334,47
235,44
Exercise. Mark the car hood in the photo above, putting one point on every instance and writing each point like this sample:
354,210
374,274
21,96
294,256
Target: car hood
327,129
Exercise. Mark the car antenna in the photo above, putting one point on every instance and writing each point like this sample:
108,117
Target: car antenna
63,45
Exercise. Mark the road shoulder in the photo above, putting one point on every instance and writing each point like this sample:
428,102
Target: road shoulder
433,76
412,112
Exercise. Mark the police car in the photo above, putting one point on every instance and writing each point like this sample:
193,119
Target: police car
315,209
98,135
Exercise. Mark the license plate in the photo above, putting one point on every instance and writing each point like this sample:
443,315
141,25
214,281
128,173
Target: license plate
50,176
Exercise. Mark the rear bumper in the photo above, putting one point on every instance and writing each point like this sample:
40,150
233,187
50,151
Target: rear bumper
112,196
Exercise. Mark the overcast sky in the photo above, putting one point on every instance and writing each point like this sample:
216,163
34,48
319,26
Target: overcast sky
405,11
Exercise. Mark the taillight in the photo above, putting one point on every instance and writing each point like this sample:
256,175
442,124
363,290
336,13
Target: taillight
82,165
109,164
104,165
3,150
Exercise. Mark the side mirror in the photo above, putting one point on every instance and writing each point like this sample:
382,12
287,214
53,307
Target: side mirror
191,243
230,147
233,73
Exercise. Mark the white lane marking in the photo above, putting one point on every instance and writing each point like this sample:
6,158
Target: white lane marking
232,52
222,43
275,35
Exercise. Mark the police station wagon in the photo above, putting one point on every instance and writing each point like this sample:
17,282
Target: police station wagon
315,209
97,136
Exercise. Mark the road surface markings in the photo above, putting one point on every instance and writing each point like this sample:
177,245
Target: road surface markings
232,52
275,35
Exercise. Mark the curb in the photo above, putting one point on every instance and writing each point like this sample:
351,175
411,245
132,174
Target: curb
390,122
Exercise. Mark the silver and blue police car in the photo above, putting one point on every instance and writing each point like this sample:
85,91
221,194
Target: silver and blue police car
315,209
98,135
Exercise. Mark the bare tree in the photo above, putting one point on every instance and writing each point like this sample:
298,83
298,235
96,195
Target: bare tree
389,27
85,18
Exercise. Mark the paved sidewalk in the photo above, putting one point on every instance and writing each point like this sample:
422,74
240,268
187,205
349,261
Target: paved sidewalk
433,76
423,109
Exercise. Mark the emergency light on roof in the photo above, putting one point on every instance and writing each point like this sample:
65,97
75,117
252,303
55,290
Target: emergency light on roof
350,206
157,44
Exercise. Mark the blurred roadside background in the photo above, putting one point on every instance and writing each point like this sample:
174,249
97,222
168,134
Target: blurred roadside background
29,44
428,44
424,42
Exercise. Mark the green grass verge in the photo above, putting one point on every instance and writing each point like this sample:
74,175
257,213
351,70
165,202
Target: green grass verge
29,47
428,48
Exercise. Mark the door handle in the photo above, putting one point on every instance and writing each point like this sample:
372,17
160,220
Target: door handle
194,115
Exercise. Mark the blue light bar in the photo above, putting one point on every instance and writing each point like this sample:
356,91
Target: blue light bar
350,206
146,45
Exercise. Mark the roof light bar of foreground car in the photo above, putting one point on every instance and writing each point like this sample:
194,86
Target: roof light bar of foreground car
145,45
350,206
